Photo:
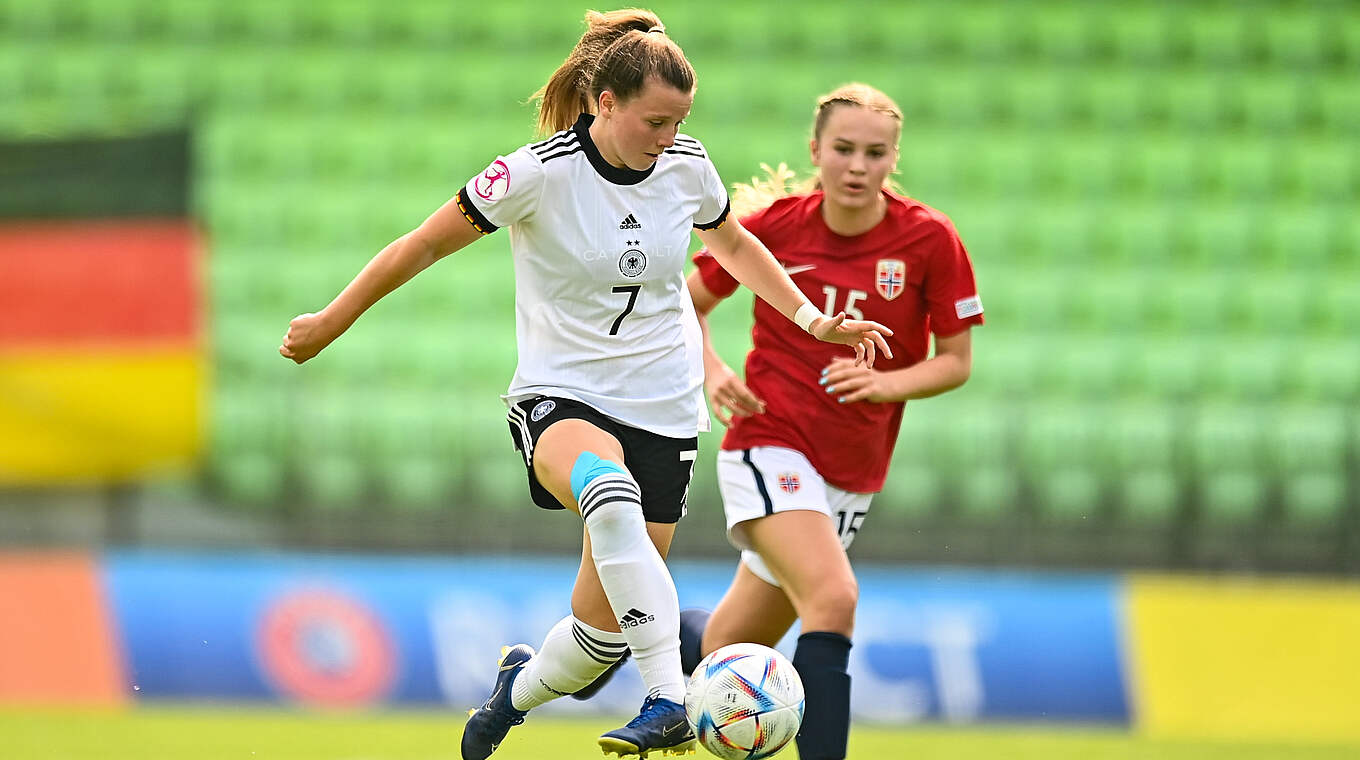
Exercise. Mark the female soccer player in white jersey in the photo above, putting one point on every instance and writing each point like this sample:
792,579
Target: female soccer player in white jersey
605,403
810,435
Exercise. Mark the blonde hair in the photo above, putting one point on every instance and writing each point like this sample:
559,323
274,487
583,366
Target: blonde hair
618,52
782,181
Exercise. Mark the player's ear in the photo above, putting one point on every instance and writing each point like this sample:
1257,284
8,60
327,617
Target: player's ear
815,150
606,104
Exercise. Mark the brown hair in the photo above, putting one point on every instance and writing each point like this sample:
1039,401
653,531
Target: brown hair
617,52
781,181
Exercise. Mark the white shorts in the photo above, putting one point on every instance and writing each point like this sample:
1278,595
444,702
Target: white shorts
763,480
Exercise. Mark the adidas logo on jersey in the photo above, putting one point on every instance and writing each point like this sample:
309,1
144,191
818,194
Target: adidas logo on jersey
630,222
634,618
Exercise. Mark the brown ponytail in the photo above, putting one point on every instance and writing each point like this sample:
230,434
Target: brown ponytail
617,52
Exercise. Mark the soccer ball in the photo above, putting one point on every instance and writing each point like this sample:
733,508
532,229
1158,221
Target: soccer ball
745,702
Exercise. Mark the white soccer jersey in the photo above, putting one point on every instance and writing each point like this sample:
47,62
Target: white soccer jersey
602,314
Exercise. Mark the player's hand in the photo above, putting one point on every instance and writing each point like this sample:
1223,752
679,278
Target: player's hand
867,337
849,381
728,396
307,335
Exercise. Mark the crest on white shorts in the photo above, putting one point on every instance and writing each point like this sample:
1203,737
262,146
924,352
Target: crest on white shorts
891,279
543,409
789,482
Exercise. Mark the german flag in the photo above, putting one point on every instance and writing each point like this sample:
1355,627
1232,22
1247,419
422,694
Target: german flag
102,360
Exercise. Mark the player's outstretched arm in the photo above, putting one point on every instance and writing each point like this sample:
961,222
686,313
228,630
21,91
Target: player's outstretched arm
948,369
445,231
747,259
728,395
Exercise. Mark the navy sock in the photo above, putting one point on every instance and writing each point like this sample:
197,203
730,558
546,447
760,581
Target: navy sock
692,624
821,659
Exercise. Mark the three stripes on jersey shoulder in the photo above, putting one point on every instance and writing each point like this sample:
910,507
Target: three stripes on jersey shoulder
567,142
563,143
686,146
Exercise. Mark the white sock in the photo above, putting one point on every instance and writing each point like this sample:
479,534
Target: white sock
636,580
573,654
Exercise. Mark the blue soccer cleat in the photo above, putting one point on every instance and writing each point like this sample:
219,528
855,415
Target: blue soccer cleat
660,726
489,724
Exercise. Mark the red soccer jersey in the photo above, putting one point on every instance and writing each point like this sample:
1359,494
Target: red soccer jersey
910,272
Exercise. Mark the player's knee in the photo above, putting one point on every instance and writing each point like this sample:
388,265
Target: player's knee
832,605
588,467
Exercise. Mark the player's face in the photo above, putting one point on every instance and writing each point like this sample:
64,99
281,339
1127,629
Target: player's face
854,154
634,132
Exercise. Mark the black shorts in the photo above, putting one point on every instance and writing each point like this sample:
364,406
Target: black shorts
661,466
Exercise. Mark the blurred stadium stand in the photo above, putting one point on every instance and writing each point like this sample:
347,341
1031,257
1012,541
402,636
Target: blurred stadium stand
1159,198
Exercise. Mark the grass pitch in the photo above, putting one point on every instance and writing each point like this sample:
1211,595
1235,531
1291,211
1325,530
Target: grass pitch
248,734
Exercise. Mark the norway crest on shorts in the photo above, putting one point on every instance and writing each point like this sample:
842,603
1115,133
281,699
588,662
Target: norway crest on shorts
789,482
891,278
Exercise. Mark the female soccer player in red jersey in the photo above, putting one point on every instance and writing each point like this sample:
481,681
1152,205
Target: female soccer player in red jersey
810,434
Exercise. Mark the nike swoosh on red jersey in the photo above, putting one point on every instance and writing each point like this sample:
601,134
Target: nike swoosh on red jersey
791,271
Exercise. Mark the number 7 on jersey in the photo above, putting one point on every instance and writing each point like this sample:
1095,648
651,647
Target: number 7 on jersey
632,291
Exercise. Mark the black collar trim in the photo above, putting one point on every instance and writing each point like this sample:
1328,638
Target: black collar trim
605,169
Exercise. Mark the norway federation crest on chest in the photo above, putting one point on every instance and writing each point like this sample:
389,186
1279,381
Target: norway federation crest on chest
891,278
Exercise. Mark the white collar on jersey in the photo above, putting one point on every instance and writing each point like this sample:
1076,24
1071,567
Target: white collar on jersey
624,176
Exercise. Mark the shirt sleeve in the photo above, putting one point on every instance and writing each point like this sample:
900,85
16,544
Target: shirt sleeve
715,278
950,288
506,192
714,206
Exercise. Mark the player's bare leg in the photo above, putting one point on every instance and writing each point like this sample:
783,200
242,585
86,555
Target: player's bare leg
803,552
752,610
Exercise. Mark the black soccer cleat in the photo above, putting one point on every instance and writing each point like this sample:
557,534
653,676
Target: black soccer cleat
660,726
488,725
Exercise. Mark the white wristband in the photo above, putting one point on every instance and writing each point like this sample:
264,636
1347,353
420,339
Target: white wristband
804,316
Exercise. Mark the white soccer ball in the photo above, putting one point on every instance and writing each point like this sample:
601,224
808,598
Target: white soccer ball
745,702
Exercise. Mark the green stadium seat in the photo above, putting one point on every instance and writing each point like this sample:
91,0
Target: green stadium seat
1037,100
1062,239
987,494
1294,38
954,435
1264,306
1069,495
1271,103
1150,498
1081,368
1339,102
1218,35
1139,437
1298,239
1315,500
1327,371
1054,436
1226,438
1247,371
1321,172
333,481
1107,301
1232,498
911,491
251,478
1308,438
1222,236
1114,98
1061,33
1141,236
1141,38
